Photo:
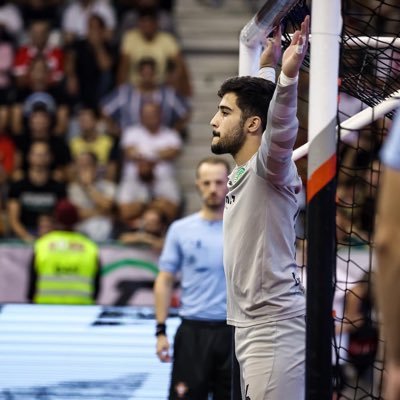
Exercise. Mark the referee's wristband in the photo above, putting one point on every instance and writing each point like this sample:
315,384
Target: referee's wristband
161,329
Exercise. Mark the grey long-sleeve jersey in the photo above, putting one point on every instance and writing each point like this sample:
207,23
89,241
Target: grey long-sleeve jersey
260,213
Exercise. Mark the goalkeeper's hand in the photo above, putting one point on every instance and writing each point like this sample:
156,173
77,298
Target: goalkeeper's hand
294,55
272,50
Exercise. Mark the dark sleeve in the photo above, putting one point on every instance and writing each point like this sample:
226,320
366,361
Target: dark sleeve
14,190
32,278
59,94
61,152
113,51
61,191
115,153
21,95
22,142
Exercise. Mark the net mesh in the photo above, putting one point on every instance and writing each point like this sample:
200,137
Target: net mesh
369,74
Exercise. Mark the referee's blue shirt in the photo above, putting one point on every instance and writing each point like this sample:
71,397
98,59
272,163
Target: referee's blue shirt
193,250
390,154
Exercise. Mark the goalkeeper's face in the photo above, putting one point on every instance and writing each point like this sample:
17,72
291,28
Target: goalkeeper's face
227,124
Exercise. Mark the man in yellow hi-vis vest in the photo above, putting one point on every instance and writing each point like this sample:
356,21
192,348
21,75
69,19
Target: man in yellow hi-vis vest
65,267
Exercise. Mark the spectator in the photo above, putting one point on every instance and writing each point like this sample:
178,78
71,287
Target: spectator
122,107
90,139
7,165
148,171
349,279
368,188
7,90
33,195
91,61
356,159
148,230
7,153
39,44
40,89
147,40
48,10
129,10
46,224
93,197
11,20
65,268
7,160
123,5
360,316
40,127
76,16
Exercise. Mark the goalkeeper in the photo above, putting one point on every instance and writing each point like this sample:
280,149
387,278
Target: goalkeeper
256,123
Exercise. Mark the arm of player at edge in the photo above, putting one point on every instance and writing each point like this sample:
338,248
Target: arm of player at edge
387,236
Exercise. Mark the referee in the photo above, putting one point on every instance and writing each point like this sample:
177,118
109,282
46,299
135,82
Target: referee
193,249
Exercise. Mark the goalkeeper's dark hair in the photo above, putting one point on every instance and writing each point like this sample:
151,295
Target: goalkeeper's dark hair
253,95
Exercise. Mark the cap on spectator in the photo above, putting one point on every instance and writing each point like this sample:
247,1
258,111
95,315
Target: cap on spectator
39,101
66,214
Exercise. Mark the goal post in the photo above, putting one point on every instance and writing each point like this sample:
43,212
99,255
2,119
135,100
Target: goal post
253,34
321,188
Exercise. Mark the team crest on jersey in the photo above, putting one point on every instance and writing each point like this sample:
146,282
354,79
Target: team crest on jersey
238,174
181,389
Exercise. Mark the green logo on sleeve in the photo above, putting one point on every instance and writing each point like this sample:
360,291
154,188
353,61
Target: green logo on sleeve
238,174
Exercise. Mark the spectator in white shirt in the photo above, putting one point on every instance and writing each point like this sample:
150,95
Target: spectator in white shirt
93,197
11,19
76,15
148,170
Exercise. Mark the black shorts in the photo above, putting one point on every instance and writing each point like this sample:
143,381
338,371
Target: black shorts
202,361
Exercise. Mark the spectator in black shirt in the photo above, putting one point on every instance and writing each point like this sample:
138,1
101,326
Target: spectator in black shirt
39,10
40,88
40,124
91,61
33,195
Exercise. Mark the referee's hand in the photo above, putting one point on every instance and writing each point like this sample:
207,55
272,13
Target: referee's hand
163,348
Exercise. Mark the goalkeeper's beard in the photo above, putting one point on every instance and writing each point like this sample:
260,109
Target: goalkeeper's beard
229,144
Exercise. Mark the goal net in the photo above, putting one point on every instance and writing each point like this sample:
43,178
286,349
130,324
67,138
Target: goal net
369,93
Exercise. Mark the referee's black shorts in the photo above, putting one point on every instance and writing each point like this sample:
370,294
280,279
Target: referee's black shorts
202,361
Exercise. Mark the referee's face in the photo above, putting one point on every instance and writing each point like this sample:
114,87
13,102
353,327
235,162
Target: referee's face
212,184
227,124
